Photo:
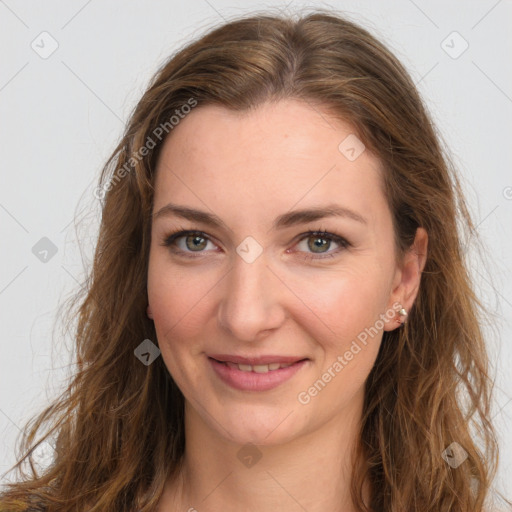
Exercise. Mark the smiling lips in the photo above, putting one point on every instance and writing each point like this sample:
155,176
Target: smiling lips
257,368
255,373
259,364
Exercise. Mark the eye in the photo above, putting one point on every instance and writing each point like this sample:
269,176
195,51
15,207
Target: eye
187,242
319,242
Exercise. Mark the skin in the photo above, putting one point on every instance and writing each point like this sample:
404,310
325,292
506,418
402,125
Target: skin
249,168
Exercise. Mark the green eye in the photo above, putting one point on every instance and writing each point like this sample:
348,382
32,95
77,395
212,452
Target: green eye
319,242
195,241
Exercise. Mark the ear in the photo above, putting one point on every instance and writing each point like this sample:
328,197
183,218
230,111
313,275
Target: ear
148,312
407,277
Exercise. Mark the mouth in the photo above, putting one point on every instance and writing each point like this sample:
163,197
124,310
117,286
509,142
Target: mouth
257,368
258,376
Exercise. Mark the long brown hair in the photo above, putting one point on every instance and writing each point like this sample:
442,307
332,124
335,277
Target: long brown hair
118,428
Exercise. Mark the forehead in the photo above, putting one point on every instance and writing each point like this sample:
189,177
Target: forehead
276,157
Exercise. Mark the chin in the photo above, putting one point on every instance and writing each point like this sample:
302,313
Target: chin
259,425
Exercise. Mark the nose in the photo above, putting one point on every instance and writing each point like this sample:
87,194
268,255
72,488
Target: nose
252,302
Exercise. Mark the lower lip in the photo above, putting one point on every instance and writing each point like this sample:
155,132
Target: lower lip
252,381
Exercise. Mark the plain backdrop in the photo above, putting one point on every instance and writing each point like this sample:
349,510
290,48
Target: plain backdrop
70,74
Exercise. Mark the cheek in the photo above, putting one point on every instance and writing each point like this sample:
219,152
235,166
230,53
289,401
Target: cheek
180,304
177,303
340,304
172,290
347,331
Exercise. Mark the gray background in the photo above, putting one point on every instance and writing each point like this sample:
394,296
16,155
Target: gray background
62,113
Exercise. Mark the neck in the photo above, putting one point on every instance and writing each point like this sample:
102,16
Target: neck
311,472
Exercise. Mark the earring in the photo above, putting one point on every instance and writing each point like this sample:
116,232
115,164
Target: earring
402,313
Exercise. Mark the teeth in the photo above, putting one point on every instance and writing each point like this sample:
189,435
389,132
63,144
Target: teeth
258,368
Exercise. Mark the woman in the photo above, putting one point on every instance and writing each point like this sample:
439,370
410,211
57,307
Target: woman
321,349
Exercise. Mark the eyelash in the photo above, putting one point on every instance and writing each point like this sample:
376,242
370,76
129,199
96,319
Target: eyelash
171,238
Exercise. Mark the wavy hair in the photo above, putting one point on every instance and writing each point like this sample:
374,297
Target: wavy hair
119,425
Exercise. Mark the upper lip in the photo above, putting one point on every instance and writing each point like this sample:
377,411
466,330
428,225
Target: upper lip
255,360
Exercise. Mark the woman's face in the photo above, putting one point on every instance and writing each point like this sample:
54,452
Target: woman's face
253,286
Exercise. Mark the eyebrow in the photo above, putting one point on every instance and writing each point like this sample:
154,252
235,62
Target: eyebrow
283,221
